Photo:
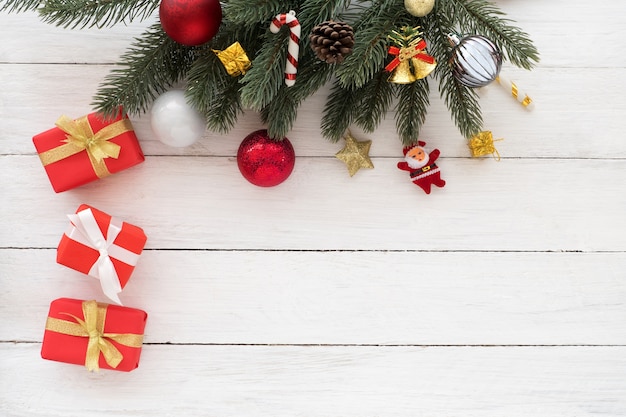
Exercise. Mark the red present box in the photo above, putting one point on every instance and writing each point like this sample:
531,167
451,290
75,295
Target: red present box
103,247
83,150
94,334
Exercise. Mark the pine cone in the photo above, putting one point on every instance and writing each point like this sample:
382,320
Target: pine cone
332,41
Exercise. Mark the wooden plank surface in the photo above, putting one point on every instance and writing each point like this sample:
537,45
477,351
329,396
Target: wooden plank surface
345,297
500,295
349,381
204,203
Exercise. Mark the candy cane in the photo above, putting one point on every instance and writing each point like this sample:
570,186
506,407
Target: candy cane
518,94
291,68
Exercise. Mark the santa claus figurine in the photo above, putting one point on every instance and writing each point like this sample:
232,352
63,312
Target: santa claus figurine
421,166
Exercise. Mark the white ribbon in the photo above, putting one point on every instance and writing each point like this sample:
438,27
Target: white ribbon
85,230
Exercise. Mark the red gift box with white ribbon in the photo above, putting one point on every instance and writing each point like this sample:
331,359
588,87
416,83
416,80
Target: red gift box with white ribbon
103,247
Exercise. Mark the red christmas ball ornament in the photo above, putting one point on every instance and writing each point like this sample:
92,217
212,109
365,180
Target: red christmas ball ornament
264,161
190,22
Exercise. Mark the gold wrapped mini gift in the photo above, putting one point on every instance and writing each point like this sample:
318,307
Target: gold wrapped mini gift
234,59
483,144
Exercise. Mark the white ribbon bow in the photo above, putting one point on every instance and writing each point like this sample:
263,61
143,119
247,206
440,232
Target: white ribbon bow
85,230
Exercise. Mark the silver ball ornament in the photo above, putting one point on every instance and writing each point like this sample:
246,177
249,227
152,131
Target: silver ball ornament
475,60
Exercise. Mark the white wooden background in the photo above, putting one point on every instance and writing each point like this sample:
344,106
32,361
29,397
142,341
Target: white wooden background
503,294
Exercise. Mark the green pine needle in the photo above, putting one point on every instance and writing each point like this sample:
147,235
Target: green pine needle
262,82
463,105
484,18
361,93
152,64
225,107
339,112
19,6
411,110
95,13
280,114
210,89
374,99
462,101
247,12
314,12
213,92
370,49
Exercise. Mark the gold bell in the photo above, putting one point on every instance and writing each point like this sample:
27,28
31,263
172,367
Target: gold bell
402,74
421,69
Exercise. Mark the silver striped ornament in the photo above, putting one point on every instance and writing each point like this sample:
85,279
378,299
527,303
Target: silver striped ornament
475,60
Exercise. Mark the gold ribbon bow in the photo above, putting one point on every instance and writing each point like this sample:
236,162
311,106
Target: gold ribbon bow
234,59
93,328
80,137
482,144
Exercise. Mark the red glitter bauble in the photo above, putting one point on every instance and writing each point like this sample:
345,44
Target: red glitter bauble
190,22
263,161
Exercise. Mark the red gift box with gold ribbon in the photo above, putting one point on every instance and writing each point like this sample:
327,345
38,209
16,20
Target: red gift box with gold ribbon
94,334
80,151
103,247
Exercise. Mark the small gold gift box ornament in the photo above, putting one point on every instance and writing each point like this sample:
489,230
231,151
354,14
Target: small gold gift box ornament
234,59
482,144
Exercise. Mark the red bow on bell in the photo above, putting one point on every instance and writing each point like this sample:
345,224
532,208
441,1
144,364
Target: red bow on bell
407,52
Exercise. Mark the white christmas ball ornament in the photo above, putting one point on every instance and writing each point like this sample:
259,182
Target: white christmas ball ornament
419,8
174,121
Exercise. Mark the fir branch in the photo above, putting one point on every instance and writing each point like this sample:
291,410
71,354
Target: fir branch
312,76
374,99
19,6
265,78
224,107
411,110
213,92
210,89
463,105
483,17
370,49
280,114
152,64
314,12
246,12
95,13
339,112
462,101
436,27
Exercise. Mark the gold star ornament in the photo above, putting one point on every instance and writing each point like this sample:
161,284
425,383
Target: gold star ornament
355,154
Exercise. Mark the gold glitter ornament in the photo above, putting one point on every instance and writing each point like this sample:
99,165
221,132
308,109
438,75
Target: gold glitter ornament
402,74
482,144
234,59
419,8
355,154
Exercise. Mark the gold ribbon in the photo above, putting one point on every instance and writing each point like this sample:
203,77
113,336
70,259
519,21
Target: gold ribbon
80,137
93,328
234,59
482,144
